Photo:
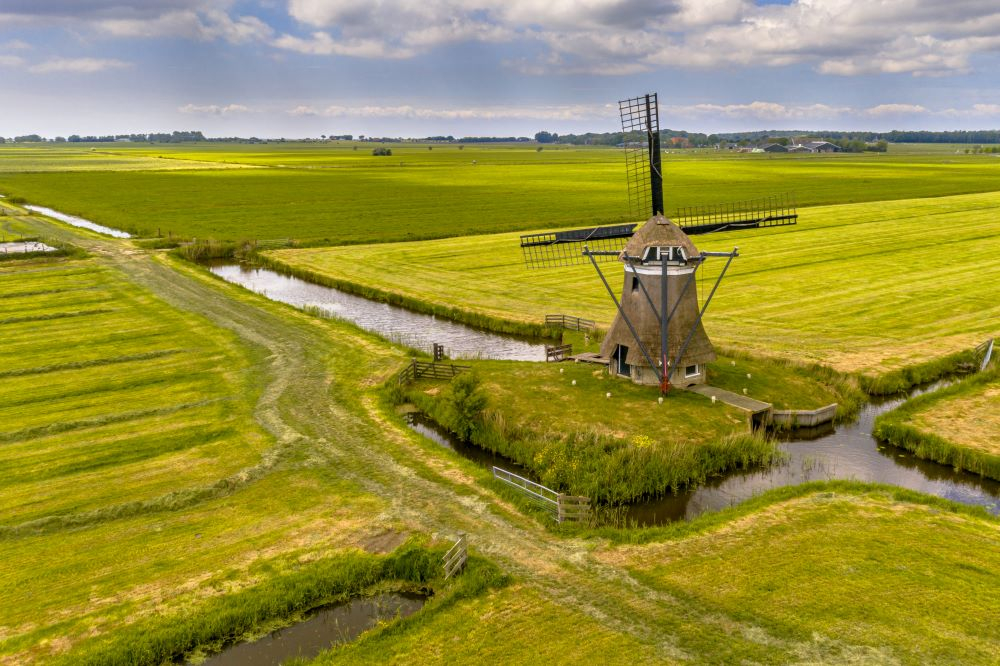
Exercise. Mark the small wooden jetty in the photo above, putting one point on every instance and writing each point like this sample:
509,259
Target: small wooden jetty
589,357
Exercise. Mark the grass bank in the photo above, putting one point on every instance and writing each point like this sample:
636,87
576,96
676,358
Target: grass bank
280,600
958,425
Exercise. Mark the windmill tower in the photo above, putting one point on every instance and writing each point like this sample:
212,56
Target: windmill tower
660,261
658,336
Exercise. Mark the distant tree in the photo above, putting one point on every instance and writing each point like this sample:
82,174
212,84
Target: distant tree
60,139
546,137
539,149
382,151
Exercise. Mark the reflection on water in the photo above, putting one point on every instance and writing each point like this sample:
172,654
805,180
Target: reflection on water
79,222
419,331
326,628
845,452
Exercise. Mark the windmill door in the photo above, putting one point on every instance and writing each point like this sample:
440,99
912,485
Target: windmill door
620,356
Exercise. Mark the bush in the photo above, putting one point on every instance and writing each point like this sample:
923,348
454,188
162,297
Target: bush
465,402
382,152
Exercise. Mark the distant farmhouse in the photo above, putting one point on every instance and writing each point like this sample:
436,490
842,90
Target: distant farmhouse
807,147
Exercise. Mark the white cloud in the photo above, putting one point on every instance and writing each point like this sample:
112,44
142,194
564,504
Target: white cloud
760,110
16,45
603,37
836,37
895,109
11,61
78,65
202,25
214,109
566,113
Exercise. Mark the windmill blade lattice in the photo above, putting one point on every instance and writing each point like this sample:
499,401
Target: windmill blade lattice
772,211
641,137
565,248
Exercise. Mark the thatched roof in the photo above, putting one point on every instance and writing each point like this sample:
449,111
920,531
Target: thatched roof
661,232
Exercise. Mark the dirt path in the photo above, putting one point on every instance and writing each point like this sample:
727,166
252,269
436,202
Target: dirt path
311,402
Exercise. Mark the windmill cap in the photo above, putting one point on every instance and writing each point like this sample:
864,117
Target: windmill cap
658,231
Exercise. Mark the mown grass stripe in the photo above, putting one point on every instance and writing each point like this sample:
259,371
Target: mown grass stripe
51,429
56,315
77,365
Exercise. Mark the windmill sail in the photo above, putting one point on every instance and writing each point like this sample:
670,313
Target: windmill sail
641,137
641,132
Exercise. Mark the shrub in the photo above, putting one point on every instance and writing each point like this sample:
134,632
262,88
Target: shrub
382,152
465,402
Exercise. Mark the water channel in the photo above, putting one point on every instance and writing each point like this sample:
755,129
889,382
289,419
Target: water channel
846,451
78,221
416,330
325,628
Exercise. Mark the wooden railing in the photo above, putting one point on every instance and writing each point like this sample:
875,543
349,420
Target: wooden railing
570,323
456,557
419,369
558,352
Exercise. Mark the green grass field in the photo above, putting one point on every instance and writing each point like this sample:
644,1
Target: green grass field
813,577
866,288
183,462
957,425
331,194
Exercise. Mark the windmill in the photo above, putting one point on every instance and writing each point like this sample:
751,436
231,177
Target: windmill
657,336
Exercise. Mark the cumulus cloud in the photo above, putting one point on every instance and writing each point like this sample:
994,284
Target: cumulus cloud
11,61
603,37
213,109
895,109
78,65
836,37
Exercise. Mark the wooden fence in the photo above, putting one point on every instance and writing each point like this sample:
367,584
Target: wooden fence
454,560
562,508
571,323
558,352
417,369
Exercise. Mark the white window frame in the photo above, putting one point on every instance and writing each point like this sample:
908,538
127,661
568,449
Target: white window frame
697,371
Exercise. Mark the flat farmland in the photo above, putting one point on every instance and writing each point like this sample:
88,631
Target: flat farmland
101,383
860,287
330,194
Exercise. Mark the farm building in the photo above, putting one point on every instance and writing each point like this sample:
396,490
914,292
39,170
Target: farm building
659,241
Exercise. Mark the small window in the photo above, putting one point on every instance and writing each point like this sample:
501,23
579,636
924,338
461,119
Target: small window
691,371
635,282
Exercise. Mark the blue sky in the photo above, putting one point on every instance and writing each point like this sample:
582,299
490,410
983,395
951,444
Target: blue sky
299,68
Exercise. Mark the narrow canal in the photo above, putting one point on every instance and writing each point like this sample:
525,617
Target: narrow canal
412,329
846,452
78,221
324,628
